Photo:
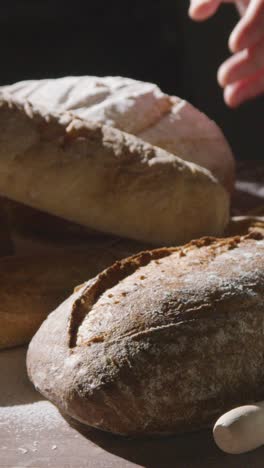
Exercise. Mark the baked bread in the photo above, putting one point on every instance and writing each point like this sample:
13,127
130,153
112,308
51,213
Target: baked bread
105,179
138,108
162,342
32,286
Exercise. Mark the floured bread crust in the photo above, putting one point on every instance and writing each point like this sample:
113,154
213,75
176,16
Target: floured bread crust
161,342
105,179
139,108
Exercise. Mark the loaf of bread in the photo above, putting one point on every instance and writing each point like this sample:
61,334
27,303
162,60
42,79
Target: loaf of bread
162,342
105,179
138,108
32,286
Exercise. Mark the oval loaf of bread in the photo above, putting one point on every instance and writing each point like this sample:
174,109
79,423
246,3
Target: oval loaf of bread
162,342
139,108
105,179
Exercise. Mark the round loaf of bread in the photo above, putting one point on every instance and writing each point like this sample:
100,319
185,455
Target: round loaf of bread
105,179
162,342
139,108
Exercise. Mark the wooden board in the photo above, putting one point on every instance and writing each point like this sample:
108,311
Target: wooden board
33,433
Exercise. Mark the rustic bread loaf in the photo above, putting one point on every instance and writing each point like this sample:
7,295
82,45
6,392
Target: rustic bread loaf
162,342
105,179
138,108
32,286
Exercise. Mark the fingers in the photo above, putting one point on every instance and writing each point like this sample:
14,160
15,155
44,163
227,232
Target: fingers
242,6
242,65
242,75
250,28
244,90
202,9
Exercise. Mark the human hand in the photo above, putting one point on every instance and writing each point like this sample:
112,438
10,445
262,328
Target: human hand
242,75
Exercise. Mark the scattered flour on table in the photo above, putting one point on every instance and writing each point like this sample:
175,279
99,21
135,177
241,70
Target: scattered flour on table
22,409
22,450
33,417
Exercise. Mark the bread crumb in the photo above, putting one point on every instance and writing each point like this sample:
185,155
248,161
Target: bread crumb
22,450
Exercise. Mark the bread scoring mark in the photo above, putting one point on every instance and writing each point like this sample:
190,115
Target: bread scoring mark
124,268
107,280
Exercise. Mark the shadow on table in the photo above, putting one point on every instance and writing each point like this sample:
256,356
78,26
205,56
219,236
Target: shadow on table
245,203
194,450
15,386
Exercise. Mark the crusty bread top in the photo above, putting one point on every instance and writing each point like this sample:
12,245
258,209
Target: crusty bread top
96,175
138,108
160,342
164,288
123,103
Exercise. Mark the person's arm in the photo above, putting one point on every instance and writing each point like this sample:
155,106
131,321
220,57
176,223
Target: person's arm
242,75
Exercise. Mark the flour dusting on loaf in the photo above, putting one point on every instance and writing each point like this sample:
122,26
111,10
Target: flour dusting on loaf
162,342
139,108
105,179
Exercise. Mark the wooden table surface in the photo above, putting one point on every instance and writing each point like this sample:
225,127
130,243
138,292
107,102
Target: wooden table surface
34,434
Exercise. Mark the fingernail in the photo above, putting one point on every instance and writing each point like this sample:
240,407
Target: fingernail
232,42
229,97
221,76
195,5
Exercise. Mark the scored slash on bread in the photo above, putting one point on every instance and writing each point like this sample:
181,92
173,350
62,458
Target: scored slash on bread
105,179
162,342
139,108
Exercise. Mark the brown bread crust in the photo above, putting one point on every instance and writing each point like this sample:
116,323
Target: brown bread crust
159,343
139,108
105,179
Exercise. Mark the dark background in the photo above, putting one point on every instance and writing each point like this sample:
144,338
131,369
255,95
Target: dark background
147,39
